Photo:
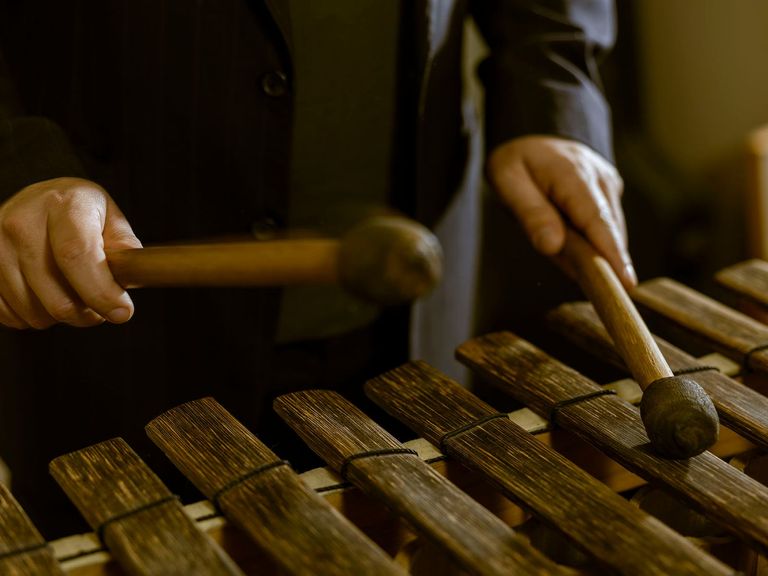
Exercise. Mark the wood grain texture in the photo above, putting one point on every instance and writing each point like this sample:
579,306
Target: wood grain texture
721,328
748,278
385,259
740,408
299,530
518,368
756,192
109,481
588,512
471,536
83,554
679,417
274,263
622,320
17,533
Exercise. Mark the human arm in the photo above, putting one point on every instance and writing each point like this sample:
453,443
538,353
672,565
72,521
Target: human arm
54,228
547,122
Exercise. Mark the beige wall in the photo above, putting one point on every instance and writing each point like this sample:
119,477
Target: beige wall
704,73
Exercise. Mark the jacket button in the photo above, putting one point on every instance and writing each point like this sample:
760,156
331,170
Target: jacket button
265,229
274,84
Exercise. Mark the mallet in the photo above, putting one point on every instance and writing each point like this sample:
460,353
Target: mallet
386,260
679,417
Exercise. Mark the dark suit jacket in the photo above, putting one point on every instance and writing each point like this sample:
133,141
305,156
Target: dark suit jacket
182,110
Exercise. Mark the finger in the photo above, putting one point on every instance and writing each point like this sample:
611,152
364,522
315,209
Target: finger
612,187
53,291
9,318
540,220
21,299
581,199
75,229
40,273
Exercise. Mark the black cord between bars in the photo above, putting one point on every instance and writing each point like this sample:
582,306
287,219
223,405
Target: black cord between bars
745,367
577,400
247,476
104,525
25,550
371,453
694,370
467,427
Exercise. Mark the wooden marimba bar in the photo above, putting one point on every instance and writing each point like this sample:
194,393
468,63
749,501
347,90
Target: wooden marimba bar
262,517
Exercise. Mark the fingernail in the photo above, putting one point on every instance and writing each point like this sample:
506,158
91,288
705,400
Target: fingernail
629,274
545,240
119,315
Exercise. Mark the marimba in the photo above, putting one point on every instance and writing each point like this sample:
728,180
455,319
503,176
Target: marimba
383,507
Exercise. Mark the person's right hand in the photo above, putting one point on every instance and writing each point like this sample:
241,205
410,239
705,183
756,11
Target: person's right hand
53,268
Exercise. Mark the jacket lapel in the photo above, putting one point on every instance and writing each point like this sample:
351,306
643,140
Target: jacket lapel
281,15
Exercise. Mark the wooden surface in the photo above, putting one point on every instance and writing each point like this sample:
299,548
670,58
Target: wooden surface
386,260
756,202
678,416
748,278
740,408
588,512
518,368
83,555
17,533
470,535
632,338
719,327
299,530
109,481
273,263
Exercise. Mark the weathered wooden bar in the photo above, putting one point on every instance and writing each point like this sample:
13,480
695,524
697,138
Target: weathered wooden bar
518,368
356,447
23,551
597,519
742,409
289,522
135,515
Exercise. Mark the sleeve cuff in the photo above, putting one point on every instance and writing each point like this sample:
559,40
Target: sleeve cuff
542,106
33,149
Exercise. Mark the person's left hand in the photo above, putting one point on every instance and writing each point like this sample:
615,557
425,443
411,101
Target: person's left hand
546,181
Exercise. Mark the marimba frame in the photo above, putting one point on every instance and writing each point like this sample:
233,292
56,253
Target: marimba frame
84,554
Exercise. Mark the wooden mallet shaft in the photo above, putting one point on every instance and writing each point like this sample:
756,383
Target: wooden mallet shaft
679,417
269,263
386,260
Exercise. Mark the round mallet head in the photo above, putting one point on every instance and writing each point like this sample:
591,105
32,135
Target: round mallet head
679,417
390,260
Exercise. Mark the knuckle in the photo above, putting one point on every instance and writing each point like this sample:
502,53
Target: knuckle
618,184
61,197
15,227
584,215
69,194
